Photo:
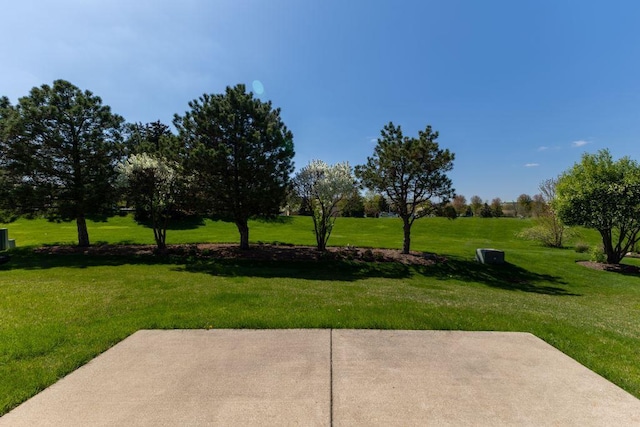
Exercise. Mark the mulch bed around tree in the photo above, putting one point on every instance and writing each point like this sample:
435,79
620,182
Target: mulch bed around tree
257,252
618,268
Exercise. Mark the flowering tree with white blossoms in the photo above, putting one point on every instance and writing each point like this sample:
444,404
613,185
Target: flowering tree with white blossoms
153,184
324,186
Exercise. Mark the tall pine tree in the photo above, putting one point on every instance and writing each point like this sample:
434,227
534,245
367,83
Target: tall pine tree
60,147
240,153
409,172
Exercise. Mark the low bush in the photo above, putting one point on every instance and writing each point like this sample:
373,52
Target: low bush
582,247
7,217
597,254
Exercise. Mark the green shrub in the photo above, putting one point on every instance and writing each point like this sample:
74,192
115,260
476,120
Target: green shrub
7,216
597,254
582,247
548,231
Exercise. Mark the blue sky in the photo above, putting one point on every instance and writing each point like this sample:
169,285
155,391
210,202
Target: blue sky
518,90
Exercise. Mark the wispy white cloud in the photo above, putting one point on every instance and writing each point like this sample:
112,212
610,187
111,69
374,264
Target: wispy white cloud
549,148
579,143
532,165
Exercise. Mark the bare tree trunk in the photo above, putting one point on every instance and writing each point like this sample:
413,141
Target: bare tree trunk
321,235
320,228
83,233
160,231
406,243
243,228
613,257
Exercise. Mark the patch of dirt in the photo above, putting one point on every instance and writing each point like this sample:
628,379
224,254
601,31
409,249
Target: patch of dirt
257,252
618,268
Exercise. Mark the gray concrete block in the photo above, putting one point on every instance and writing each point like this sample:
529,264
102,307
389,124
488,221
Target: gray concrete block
489,256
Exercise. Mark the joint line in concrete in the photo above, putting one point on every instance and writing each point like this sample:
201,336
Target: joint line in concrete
331,377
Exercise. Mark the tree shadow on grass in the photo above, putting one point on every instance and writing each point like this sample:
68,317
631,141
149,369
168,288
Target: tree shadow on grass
622,269
186,223
332,270
279,219
506,276
503,276
27,259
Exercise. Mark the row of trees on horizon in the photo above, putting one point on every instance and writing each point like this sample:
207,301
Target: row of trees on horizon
66,156
374,205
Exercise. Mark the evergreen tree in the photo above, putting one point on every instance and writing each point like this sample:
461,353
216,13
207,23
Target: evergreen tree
485,211
61,147
240,153
409,171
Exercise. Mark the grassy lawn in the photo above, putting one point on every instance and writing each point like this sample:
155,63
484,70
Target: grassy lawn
58,312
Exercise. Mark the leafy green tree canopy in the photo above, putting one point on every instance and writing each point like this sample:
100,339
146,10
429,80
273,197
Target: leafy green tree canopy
525,203
496,207
409,171
241,154
459,203
61,146
476,204
602,194
353,205
374,204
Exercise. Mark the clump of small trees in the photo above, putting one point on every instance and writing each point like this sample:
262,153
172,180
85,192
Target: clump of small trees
67,156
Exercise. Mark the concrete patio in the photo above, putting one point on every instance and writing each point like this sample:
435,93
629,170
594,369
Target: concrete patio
321,377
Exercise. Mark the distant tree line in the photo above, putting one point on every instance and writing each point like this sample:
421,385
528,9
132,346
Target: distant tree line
525,206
